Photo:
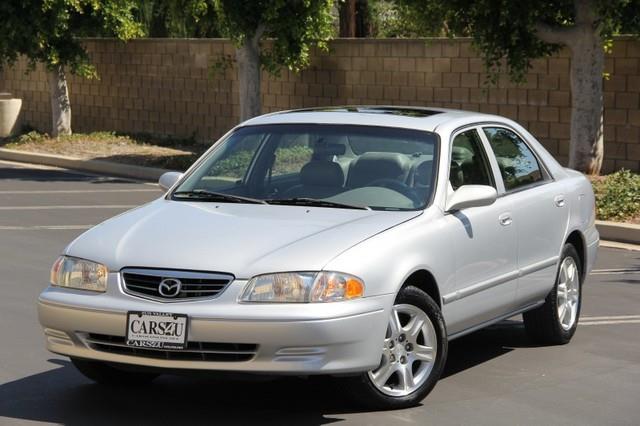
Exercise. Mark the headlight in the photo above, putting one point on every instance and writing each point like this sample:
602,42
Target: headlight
302,287
77,273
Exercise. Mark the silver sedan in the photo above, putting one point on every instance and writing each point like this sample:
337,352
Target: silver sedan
347,241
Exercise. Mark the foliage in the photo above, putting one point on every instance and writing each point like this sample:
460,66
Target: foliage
288,160
30,136
293,26
179,18
139,148
392,19
617,196
47,31
505,30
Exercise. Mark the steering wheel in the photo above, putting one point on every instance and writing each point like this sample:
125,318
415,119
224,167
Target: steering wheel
397,186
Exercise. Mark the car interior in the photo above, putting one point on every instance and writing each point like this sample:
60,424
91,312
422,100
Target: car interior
336,166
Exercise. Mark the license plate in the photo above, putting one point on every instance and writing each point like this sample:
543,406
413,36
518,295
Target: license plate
156,330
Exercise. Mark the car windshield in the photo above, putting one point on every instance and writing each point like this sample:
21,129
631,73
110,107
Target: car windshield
339,166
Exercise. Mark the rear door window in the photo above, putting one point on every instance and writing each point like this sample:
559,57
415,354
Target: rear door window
518,165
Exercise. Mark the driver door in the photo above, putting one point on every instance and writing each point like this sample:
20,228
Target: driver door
483,239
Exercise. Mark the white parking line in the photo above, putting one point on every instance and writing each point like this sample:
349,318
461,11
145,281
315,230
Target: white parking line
106,206
616,271
614,317
43,227
611,319
77,191
609,322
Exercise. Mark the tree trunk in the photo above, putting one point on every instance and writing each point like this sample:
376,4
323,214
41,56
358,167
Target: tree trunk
586,148
248,58
347,14
60,103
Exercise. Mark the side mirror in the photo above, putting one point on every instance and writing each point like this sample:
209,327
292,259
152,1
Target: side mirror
471,196
169,179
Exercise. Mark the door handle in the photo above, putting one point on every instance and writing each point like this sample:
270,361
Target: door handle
505,219
559,200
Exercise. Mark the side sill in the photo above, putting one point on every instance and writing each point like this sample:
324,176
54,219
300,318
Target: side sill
495,320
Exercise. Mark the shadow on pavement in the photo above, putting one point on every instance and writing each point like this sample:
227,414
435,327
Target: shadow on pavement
62,395
46,175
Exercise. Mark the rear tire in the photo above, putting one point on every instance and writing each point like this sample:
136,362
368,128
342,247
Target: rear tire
106,374
413,358
555,322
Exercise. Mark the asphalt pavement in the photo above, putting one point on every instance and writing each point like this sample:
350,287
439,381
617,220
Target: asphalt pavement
493,377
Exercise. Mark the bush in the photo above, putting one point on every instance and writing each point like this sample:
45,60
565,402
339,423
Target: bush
617,196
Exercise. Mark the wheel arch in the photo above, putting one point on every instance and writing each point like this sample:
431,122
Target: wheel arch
576,239
425,281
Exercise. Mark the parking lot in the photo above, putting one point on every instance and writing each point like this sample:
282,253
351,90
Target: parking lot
494,377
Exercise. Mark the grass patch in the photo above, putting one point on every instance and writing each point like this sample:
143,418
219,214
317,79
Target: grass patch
139,149
618,196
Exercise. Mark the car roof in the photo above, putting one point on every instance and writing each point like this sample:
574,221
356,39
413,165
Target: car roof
410,117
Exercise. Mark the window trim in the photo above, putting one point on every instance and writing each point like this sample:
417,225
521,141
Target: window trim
483,146
546,176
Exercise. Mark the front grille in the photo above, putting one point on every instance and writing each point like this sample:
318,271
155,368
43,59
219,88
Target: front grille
193,285
195,351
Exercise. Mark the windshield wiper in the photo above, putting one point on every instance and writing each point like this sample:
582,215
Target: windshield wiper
203,195
312,202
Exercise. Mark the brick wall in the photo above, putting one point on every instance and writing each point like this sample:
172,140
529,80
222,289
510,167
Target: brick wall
165,86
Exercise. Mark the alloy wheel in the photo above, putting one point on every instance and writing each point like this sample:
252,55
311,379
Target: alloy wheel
568,293
408,354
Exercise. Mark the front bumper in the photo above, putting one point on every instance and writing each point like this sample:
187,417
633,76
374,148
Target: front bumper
331,338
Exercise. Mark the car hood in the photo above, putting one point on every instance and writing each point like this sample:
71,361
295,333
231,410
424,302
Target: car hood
241,239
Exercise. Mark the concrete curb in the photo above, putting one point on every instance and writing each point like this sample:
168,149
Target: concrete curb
151,174
619,232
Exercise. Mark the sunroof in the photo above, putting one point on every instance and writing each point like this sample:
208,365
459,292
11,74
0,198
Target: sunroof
404,111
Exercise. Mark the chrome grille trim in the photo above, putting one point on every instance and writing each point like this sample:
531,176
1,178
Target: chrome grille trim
195,351
144,282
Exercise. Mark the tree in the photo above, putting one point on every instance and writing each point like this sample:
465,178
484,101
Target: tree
178,18
354,18
293,27
515,32
48,31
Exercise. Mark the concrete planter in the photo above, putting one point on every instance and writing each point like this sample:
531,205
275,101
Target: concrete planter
619,232
10,117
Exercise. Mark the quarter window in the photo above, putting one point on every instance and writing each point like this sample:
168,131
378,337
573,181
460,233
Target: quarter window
469,165
518,165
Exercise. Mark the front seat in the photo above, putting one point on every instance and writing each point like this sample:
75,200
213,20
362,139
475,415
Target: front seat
319,179
372,166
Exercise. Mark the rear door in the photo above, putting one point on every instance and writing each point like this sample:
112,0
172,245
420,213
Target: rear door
539,211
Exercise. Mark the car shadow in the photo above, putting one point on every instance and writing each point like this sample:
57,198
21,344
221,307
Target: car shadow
61,395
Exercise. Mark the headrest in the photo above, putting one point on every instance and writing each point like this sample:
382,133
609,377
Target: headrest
461,154
372,166
326,148
322,173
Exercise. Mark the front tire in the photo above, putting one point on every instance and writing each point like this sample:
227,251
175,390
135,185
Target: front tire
555,322
413,355
106,374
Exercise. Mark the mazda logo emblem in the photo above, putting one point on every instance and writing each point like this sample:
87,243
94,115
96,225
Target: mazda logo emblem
170,287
